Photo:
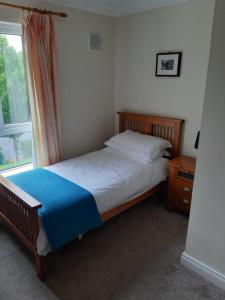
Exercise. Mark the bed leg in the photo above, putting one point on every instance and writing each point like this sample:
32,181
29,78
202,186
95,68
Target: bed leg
40,267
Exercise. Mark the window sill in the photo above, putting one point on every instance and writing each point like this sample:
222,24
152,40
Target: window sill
17,170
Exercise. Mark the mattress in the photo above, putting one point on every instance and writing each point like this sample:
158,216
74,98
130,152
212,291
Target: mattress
110,177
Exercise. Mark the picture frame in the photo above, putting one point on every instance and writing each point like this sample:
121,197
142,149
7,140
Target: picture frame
95,41
168,64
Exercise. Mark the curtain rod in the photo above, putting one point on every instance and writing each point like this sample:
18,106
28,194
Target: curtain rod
38,10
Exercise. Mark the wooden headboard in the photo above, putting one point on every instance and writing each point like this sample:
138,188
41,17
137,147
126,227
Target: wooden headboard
166,128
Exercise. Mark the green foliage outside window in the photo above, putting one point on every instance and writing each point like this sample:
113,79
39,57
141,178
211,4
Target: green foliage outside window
2,158
12,82
14,107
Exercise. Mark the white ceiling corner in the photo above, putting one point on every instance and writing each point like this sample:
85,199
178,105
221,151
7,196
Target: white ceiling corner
116,8
97,6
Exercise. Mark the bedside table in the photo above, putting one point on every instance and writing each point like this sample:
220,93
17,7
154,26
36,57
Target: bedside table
181,177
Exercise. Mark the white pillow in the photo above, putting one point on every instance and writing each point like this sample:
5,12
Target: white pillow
142,146
139,158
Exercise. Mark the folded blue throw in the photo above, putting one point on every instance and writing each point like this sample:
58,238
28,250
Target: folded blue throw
67,211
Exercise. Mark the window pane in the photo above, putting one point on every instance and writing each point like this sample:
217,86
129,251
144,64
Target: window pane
16,136
15,150
13,92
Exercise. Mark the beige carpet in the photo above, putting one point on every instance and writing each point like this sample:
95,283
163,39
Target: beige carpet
134,256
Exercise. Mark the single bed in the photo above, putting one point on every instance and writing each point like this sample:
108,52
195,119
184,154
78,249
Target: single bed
112,178
115,181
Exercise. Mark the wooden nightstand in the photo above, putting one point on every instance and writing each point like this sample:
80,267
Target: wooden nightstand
181,177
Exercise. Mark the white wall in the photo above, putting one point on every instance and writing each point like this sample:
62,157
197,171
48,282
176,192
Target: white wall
185,27
206,233
87,86
85,79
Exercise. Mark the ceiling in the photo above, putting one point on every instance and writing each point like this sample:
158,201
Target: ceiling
116,8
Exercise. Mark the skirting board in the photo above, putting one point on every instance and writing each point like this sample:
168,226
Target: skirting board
203,270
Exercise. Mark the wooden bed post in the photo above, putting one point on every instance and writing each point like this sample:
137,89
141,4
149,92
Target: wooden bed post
19,211
40,268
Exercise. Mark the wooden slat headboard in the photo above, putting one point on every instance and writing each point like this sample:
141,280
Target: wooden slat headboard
164,127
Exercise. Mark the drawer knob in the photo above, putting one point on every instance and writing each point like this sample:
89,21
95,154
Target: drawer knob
185,201
187,189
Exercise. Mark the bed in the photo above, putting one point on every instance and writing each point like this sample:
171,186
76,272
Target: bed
109,176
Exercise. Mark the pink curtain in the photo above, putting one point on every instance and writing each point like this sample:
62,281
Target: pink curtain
39,44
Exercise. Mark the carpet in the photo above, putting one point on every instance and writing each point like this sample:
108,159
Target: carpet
133,256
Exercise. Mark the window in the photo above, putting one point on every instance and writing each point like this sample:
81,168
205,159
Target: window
16,138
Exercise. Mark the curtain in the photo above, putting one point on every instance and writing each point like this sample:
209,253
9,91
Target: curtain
40,51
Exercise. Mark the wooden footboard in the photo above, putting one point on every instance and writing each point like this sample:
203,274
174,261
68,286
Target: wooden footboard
19,211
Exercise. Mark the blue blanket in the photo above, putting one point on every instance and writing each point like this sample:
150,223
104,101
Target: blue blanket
67,209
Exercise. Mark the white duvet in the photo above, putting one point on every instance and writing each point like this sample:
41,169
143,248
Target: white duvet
110,177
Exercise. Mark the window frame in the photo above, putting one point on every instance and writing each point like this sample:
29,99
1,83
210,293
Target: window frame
9,28
12,29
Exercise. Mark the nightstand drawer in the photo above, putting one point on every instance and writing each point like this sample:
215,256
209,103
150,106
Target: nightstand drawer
183,193
185,175
180,183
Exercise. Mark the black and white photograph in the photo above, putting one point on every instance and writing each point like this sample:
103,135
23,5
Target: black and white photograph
168,64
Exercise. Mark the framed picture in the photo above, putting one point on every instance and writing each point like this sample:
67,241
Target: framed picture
168,64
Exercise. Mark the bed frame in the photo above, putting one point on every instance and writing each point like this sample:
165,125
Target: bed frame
19,211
